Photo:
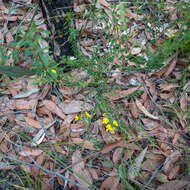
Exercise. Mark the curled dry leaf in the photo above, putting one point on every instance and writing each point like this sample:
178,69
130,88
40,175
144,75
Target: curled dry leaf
41,134
143,109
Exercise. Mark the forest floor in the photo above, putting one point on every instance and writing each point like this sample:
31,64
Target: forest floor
119,120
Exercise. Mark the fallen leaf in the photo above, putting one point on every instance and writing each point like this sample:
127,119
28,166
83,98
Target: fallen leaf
170,160
41,134
9,38
173,172
168,87
36,170
51,106
117,155
133,109
183,102
80,169
32,123
135,51
26,93
22,104
110,183
75,107
143,109
136,166
30,151
109,147
120,94
173,185
104,3
93,173
86,144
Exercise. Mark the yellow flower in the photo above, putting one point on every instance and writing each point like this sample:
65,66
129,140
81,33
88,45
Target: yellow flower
110,128
76,118
54,71
103,114
105,120
87,114
115,123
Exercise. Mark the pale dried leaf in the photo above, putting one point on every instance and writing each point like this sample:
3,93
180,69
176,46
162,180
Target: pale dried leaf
40,135
135,51
104,3
26,93
75,107
143,109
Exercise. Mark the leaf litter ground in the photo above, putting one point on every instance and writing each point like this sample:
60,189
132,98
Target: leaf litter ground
44,144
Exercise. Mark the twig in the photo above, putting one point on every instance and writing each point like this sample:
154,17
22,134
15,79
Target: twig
43,169
15,112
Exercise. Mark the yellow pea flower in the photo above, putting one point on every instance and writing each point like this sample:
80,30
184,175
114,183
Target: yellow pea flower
76,118
115,123
54,71
105,120
103,114
110,128
87,114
